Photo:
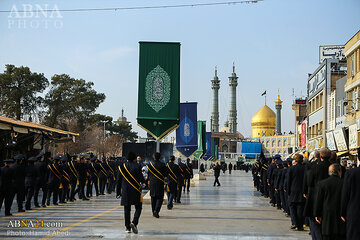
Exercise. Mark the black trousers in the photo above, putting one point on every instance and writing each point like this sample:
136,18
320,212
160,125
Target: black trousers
127,212
19,191
296,210
272,194
178,195
265,186
8,197
95,180
229,171
89,187
156,203
36,194
81,188
187,184
29,194
217,181
53,189
102,183
73,183
278,200
64,192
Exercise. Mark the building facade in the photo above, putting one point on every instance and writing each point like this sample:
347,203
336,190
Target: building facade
278,144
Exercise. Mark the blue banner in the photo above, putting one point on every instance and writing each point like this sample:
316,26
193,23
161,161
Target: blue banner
208,154
186,133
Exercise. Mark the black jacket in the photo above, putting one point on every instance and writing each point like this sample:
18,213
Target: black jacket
42,173
173,176
295,183
126,183
54,171
30,176
189,170
19,175
157,173
327,206
7,175
217,170
350,199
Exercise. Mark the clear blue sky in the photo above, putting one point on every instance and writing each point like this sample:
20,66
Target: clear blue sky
274,43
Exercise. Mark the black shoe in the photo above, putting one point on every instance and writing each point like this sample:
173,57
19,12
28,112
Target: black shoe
178,201
219,185
169,208
37,205
128,230
188,190
8,214
21,210
299,229
86,199
155,214
292,227
28,208
43,205
48,203
56,204
134,228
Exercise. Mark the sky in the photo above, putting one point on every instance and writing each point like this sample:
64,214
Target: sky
273,43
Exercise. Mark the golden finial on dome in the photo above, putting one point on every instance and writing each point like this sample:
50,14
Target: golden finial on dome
278,101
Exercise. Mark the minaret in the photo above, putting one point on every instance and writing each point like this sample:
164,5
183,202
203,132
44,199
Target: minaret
233,112
278,106
215,86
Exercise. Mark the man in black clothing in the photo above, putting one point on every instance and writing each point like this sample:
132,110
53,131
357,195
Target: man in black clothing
189,175
18,169
350,207
65,179
181,181
217,170
295,186
157,173
82,174
327,205
129,188
41,179
318,170
230,167
6,186
53,183
103,176
172,181
94,170
30,180
72,165
271,188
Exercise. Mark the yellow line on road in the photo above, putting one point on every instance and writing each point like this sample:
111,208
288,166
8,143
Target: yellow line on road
78,223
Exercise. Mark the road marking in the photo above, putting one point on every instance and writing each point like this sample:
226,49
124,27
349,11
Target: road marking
78,223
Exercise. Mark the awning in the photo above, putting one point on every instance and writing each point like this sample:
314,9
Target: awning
354,152
342,153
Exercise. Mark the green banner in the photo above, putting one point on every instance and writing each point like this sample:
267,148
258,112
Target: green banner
159,88
201,131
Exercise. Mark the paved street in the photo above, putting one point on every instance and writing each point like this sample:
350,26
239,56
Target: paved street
233,211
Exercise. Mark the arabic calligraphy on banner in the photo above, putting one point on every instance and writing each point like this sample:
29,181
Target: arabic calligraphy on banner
330,141
332,52
353,136
315,144
317,81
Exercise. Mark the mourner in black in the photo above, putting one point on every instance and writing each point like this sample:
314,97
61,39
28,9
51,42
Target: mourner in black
327,205
157,173
271,188
82,174
73,176
189,174
172,181
41,179
6,186
18,169
95,168
181,181
65,180
88,181
230,167
103,177
111,177
53,183
217,170
129,188
350,207
317,172
30,181
295,186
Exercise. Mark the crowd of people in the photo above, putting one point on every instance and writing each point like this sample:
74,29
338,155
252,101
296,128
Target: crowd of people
62,178
317,192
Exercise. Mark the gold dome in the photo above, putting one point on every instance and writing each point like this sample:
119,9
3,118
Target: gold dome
265,117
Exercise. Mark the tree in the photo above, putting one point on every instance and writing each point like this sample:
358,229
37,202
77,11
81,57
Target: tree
71,99
124,130
19,91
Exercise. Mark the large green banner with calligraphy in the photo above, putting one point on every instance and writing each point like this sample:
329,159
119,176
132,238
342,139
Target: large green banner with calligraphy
159,88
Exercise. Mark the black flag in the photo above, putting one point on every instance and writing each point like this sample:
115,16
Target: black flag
264,93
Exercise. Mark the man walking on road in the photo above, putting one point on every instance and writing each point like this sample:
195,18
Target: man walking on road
129,188
157,173
217,170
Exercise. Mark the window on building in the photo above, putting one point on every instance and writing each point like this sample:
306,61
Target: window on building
279,143
321,100
285,143
268,143
273,143
352,67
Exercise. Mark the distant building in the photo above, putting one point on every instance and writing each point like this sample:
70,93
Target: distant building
279,144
